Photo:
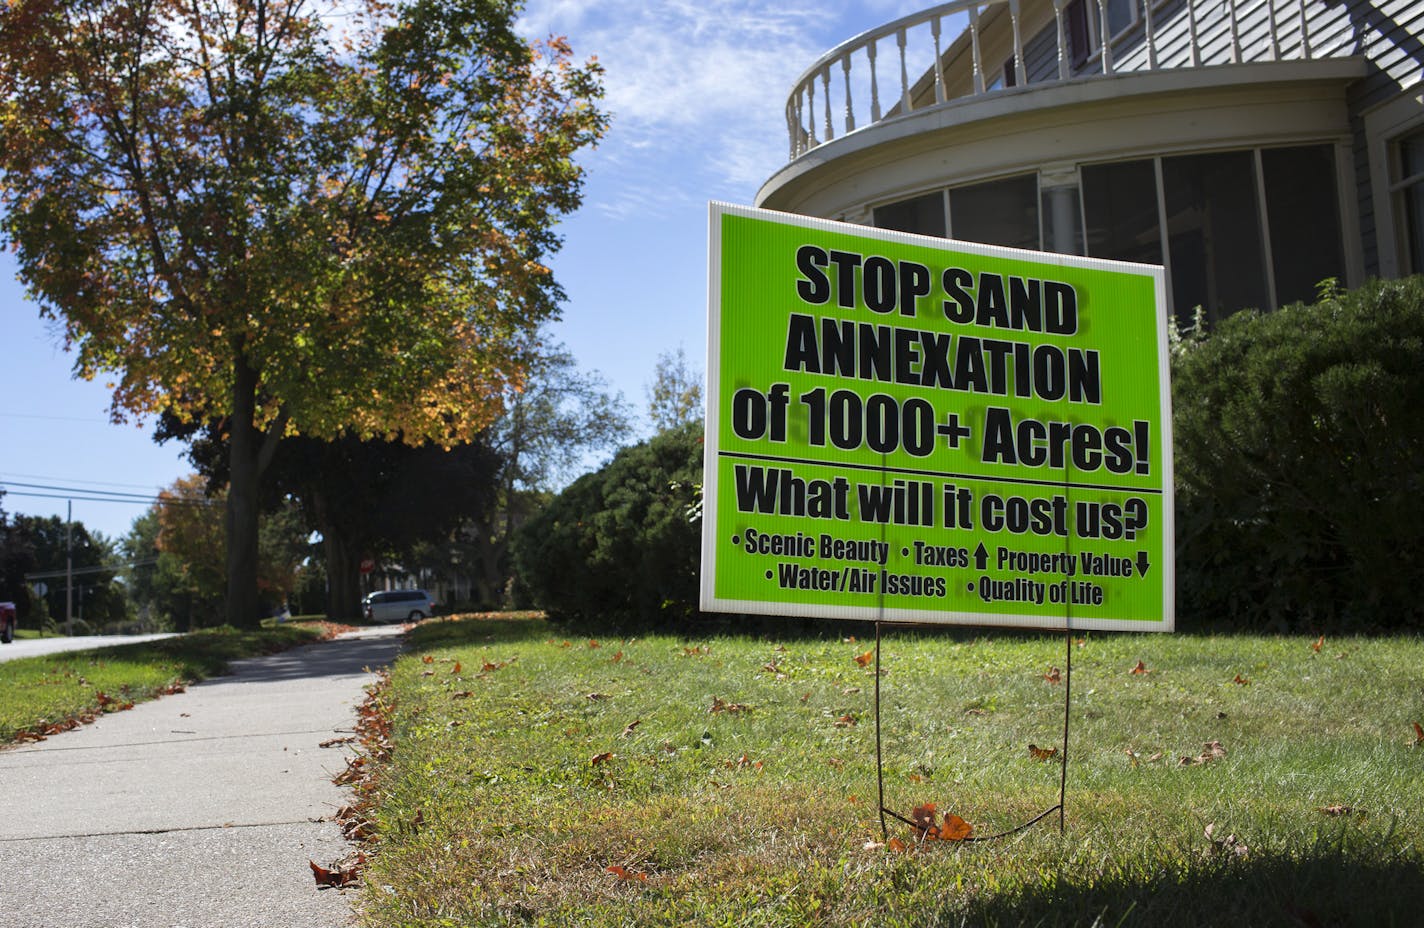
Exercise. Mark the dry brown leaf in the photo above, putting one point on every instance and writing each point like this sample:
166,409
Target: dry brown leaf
1140,669
336,876
1041,754
1054,675
603,758
625,874
865,659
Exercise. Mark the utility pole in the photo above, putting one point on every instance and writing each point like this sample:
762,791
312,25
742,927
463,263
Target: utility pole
69,570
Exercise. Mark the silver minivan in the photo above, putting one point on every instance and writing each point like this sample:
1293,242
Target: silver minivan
398,606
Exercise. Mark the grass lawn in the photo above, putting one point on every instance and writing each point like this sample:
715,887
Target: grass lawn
733,781
40,692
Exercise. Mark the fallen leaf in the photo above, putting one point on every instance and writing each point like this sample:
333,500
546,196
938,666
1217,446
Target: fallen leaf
895,844
1041,754
1336,811
1242,681
846,721
1418,733
628,729
603,758
625,874
1211,751
456,668
721,705
1054,675
1228,845
593,644
427,659
1140,669
865,659
337,876
617,657
1319,643
333,742
954,828
597,696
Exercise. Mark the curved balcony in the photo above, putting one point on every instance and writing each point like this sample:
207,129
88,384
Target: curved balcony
1015,43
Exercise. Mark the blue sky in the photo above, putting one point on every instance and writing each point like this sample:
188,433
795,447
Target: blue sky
697,91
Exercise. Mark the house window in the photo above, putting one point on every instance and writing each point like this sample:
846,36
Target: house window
1122,14
999,212
1080,34
1120,211
1214,233
1218,208
1304,214
922,215
1408,189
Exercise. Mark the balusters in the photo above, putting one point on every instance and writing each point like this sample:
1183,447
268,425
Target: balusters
1271,27
1235,33
1062,39
904,78
974,40
1019,71
874,85
938,64
1304,32
1151,34
1192,27
826,94
849,106
1106,36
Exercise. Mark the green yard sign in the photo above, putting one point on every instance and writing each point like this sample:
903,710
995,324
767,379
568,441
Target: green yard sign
915,429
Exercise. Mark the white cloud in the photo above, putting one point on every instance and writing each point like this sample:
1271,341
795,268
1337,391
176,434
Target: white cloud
696,88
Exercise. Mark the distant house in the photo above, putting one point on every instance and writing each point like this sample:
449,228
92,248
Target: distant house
1254,147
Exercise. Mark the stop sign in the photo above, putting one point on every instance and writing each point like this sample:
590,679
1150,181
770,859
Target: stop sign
368,564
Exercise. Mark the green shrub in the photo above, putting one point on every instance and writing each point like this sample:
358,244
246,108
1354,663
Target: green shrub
621,546
1299,440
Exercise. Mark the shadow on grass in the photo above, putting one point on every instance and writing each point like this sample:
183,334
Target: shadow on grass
1380,884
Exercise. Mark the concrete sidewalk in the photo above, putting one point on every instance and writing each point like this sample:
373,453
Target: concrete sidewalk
197,810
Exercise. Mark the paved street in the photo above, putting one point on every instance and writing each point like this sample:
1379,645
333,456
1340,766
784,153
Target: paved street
197,810
33,647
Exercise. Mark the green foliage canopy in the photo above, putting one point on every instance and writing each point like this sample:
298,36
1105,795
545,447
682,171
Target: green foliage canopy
291,218
621,545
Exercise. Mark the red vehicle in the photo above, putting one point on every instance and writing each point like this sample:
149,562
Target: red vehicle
7,623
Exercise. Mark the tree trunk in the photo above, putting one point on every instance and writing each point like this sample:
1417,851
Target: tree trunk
343,576
245,453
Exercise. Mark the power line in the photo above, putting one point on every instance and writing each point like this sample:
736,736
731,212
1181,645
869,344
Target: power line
53,479
99,496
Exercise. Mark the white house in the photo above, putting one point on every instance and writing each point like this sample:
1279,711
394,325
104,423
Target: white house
1254,147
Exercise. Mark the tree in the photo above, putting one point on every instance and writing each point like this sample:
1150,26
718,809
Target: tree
547,429
622,545
250,218
675,395
17,558
56,547
191,551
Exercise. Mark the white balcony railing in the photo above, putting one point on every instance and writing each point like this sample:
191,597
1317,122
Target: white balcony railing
844,86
